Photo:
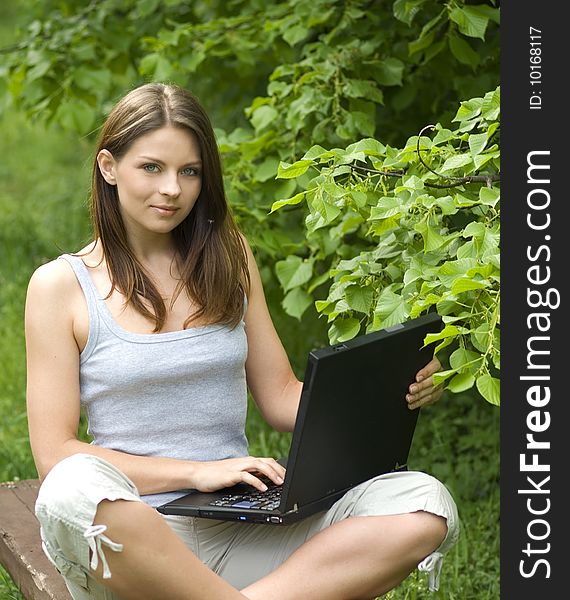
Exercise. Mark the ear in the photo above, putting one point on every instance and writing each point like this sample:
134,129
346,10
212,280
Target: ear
107,166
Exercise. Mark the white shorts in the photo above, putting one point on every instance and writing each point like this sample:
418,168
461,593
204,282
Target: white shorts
241,553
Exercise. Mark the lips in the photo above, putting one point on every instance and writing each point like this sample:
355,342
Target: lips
165,209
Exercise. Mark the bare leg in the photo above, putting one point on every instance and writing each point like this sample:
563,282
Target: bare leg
154,563
359,558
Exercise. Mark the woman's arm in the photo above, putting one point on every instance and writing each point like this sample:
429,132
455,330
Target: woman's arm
270,378
54,300
275,388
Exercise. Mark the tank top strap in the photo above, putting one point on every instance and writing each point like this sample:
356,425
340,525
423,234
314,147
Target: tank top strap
91,296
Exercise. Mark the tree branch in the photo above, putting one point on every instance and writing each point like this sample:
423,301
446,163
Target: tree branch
487,179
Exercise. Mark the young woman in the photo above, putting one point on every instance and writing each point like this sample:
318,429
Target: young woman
158,328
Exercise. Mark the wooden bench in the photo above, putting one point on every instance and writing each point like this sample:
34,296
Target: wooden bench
21,552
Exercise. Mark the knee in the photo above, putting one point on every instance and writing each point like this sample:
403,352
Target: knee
426,532
61,490
75,486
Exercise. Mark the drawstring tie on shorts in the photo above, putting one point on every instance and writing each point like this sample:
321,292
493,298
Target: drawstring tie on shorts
432,566
95,538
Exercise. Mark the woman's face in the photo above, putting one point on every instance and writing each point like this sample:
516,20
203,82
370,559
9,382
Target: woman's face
158,180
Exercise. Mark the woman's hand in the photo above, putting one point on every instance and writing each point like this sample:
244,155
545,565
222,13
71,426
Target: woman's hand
211,476
422,392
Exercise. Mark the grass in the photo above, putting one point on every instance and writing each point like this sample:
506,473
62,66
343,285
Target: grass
43,213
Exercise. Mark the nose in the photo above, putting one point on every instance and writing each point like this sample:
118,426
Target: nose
169,185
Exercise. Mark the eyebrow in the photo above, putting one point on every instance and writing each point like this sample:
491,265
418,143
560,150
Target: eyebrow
191,163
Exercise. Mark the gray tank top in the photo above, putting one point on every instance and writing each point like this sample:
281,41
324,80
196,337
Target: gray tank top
179,394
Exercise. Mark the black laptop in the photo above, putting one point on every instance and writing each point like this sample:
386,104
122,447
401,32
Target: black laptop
353,423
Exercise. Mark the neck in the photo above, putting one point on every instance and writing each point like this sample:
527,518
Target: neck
153,250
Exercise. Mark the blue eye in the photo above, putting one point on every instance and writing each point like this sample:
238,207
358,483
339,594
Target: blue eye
190,171
151,168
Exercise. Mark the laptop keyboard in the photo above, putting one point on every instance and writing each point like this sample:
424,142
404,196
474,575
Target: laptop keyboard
268,500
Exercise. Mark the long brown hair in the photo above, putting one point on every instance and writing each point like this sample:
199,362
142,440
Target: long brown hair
210,251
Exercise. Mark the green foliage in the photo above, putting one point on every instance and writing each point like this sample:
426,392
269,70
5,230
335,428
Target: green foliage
333,64
322,72
395,232
309,100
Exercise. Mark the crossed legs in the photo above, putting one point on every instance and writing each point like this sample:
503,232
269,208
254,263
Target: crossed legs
360,557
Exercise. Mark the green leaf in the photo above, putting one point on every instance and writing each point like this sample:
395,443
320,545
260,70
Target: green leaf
263,116
39,69
426,38
406,10
378,228
432,239
481,337
461,382
287,171
92,80
317,281
359,298
493,14
296,199
369,146
489,196
462,50
465,284
360,88
477,143
76,115
422,304
389,71
462,201
329,212
482,159
296,302
491,105
191,61
163,69
391,308
446,204
471,23
343,329
468,109
83,51
284,189
388,206
293,272
476,230
148,63
295,34
267,169
442,376
421,43
317,151
490,388
450,270
446,332
462,358
365,123
456,162
443,135
146,7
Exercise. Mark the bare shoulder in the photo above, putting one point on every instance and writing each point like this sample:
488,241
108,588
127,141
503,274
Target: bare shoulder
53,294
53,278
56,278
